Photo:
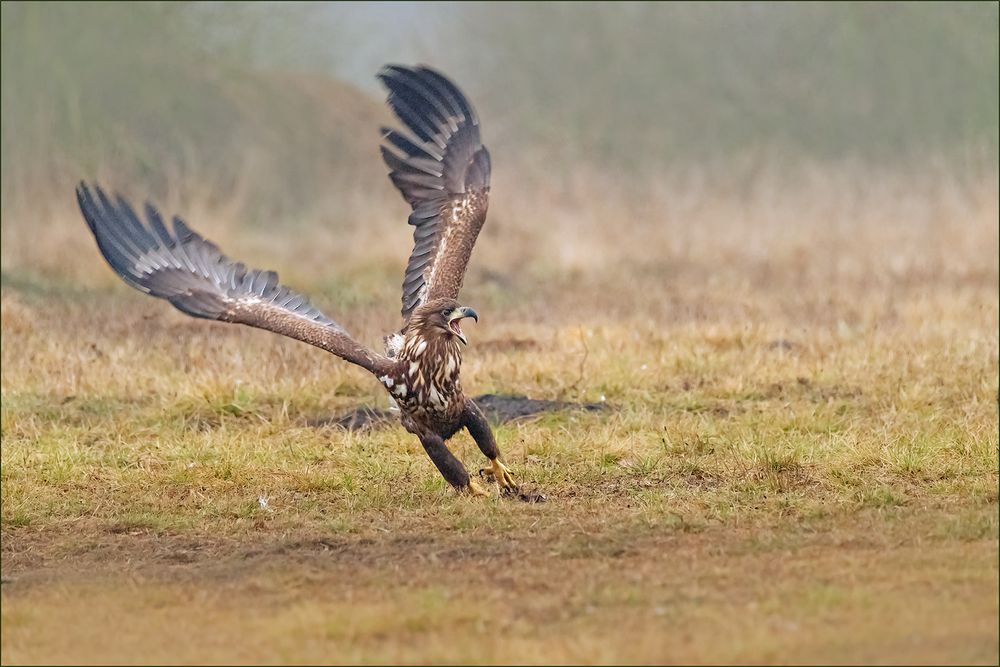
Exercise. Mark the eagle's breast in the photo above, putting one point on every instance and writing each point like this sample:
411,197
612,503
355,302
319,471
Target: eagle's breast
426,383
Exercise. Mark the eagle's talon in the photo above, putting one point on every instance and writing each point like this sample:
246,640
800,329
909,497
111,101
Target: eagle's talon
508,491
473,489
501,475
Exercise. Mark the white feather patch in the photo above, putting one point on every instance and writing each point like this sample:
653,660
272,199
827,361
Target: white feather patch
393,345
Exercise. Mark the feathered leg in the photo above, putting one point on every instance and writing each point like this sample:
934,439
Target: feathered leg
450,467
475,421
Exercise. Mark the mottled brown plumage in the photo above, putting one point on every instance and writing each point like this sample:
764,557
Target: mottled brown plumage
425,380
443,171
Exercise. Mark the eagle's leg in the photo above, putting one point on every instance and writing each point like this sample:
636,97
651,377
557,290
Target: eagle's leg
450,467
475,421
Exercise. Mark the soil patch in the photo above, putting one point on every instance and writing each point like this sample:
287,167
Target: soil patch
498,408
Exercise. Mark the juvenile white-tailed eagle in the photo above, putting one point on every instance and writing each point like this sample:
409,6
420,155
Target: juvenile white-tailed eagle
443,171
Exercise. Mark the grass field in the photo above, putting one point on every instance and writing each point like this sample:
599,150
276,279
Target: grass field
797,461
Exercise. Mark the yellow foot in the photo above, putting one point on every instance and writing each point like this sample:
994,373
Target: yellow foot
473,489
501,474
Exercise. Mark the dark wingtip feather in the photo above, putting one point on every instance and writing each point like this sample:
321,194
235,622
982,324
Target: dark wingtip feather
390,70
440,128
85,200
426,102
81,193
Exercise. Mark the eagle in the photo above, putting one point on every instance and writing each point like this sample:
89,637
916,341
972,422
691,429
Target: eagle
438,162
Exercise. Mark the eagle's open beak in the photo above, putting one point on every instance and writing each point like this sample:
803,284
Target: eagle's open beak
456,317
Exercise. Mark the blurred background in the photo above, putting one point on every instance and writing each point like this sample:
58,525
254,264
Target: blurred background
675,157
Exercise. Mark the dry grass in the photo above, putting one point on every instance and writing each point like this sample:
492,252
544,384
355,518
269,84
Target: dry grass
802,440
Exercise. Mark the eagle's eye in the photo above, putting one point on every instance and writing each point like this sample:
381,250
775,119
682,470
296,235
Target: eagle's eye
446,312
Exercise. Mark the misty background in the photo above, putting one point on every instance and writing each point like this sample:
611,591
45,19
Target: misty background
265,116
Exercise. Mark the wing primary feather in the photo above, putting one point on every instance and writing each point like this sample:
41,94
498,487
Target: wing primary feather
115,232
160,230
450,91
402,163
415,122
154,257
139,234
121,231
419,178
174,246
118,255
408,85
410,147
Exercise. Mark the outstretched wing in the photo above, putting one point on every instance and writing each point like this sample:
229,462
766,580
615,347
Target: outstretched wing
443,170
191,273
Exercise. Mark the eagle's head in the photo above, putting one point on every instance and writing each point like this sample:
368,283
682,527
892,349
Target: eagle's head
441,318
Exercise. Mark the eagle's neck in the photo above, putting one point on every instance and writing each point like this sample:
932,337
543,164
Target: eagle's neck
433,359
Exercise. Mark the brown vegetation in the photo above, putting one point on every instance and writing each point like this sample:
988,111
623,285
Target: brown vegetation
801,442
